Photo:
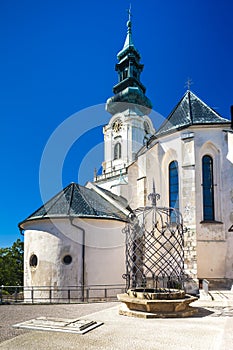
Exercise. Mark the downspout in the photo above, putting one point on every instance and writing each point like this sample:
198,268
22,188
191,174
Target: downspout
71,218
232,117
21,230
83,254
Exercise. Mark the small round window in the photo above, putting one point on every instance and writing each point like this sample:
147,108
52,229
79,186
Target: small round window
33,260
67,259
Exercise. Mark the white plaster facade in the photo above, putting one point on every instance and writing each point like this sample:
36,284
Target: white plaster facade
96,248
134,131
131,135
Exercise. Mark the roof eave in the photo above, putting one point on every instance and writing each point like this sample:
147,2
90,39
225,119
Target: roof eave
20,225
172,131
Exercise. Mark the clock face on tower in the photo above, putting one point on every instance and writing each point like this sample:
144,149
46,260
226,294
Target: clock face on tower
117,125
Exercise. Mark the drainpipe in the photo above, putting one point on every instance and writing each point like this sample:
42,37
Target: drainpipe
83,254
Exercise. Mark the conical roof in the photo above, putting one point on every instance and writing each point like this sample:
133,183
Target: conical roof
77,201
191,110
128,45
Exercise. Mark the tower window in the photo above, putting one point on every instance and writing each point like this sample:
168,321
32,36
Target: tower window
117,151
207,188
124,74
173,186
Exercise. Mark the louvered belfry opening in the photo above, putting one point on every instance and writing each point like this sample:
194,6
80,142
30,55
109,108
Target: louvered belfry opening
154,248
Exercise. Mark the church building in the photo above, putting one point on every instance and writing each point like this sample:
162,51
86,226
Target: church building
76,237
189,159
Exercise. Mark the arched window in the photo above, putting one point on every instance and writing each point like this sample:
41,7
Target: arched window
173,185
117,151
208,188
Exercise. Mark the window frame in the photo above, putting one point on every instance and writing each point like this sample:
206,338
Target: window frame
208,197
173,184
117,151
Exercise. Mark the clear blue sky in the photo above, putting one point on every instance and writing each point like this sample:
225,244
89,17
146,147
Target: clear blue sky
58,57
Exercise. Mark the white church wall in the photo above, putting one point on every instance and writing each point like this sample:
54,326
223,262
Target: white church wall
170,153
132,179
105,252
50,242
141,181
188,147
106,164
188,202
212,237
130,135
104,261
227,202
229,255
211,259
179,147
151,168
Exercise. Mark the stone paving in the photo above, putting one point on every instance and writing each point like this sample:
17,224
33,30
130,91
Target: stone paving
211,328
12,314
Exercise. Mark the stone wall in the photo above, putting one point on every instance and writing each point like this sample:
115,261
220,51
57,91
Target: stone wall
190,253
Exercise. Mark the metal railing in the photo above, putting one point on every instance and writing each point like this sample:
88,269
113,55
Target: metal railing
64,294
110,174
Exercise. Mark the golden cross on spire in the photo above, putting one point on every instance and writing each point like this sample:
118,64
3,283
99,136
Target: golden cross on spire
188,83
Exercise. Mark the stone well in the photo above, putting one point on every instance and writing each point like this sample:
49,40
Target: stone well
155,278
146,303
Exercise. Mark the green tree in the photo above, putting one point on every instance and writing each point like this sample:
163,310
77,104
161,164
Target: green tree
11,264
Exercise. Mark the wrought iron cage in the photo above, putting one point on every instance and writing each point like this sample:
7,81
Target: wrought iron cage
154,247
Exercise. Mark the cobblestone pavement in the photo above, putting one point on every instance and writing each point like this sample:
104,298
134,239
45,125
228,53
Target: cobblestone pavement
210,329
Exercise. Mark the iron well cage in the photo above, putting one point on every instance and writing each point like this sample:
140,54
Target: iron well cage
154,238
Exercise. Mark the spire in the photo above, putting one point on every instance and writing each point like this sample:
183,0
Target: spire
128,40
129,88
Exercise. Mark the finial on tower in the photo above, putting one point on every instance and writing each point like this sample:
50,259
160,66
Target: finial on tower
129,23
130,12
128,40
153,197
188,83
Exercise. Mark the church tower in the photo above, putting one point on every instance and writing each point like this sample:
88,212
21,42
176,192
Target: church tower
129,127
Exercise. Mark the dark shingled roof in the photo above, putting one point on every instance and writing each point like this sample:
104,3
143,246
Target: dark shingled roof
77,201
190,111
